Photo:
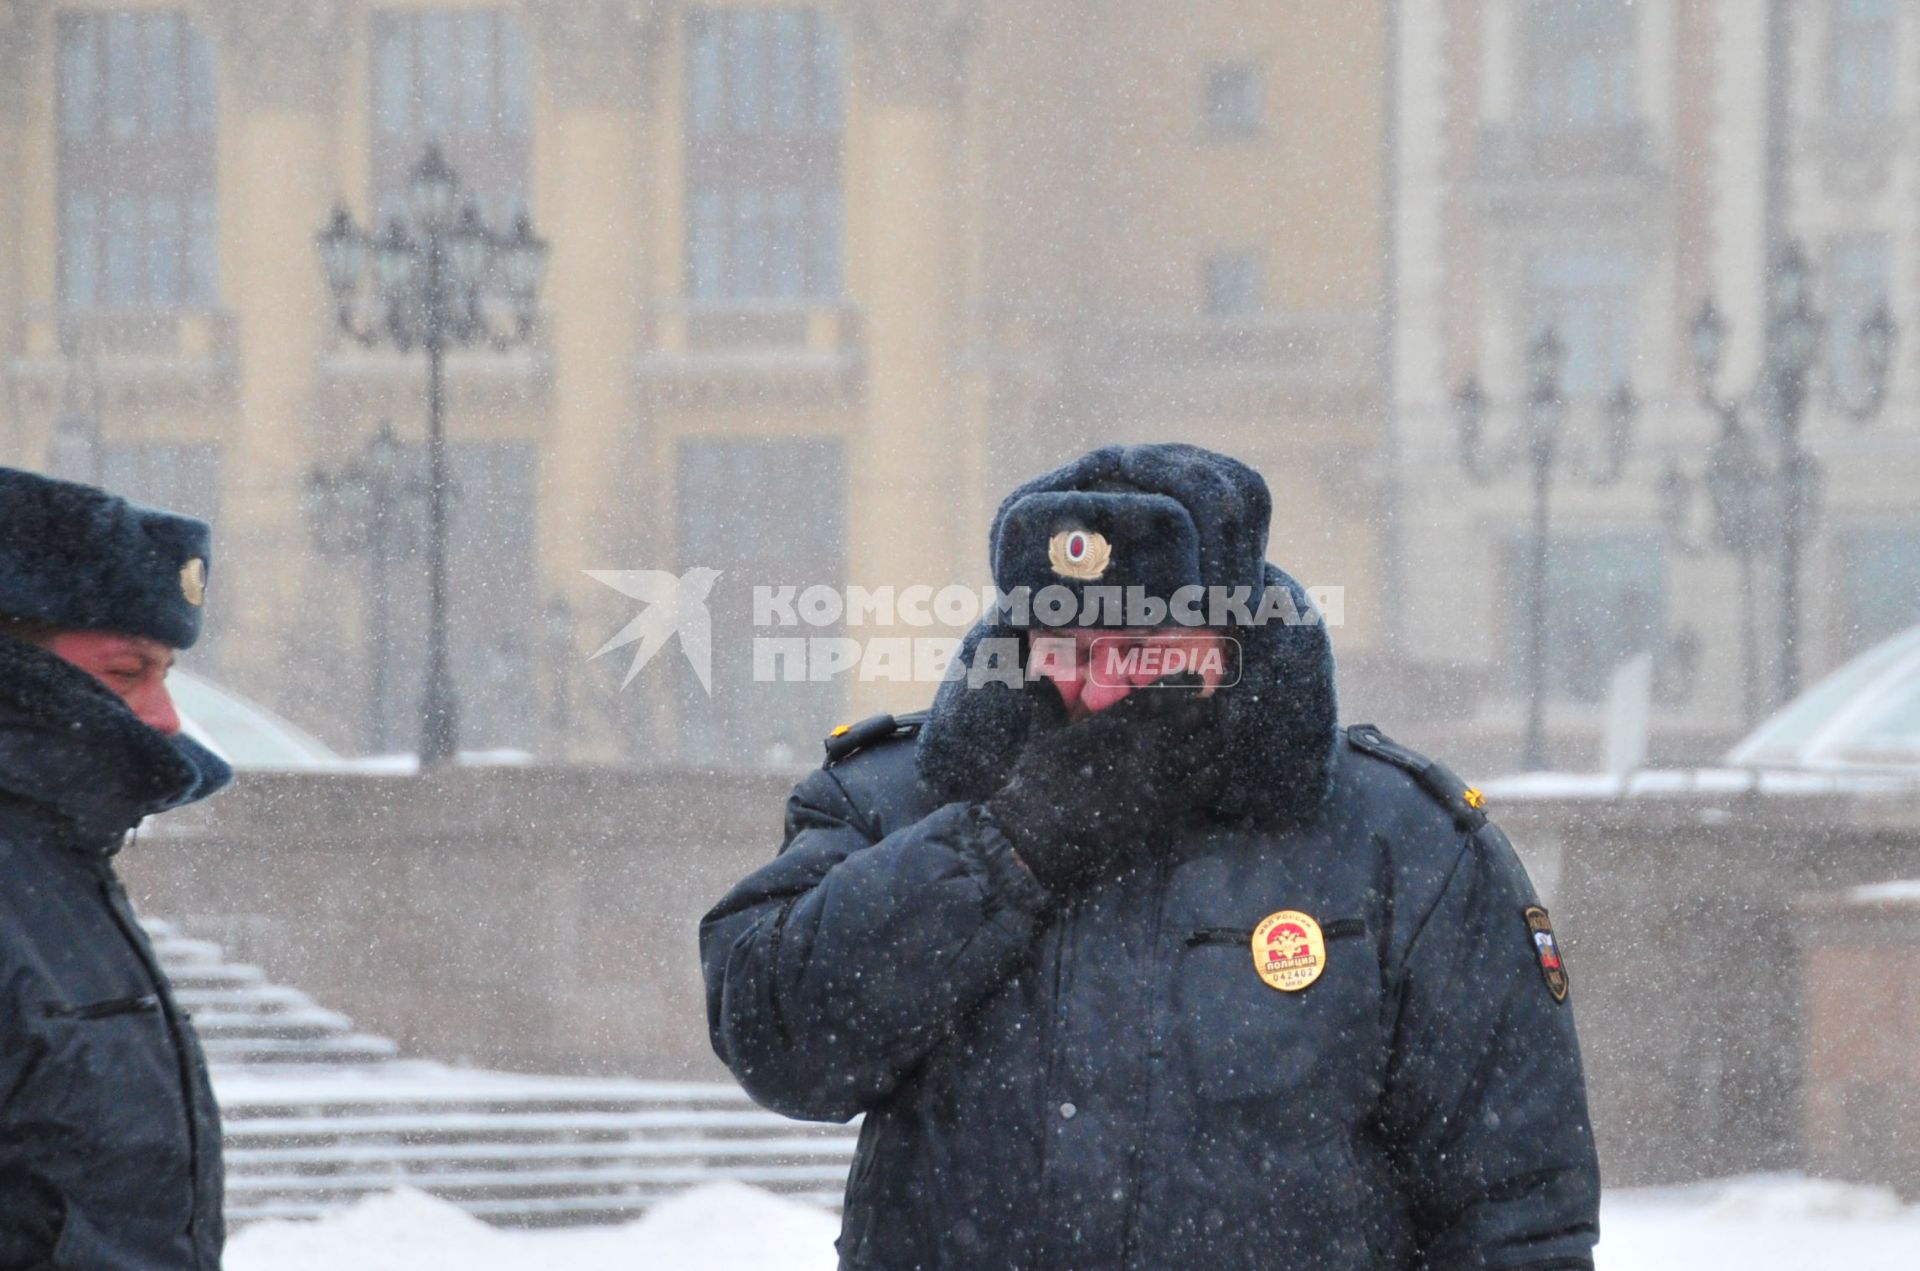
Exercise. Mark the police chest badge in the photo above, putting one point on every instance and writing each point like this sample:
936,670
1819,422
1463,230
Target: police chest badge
1547,950
1289,951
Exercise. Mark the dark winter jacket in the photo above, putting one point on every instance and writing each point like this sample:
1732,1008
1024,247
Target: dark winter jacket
1103,1080
109,1137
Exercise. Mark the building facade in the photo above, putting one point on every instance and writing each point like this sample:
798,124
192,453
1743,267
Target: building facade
824,282
1603,167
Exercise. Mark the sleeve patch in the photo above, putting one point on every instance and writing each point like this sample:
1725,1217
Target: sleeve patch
1546,950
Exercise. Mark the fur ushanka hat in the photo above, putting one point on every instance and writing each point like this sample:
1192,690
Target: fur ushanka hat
75,556
1157,518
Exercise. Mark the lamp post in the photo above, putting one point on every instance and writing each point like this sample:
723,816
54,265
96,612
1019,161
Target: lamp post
557,621
363,507
1741,505
1753,500
1538,445
441,278
78,449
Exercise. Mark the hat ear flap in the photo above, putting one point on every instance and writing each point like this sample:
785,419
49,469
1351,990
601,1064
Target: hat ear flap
979,722
1282,715
211,772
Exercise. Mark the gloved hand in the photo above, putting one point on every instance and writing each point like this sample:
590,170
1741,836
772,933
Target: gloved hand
1091,798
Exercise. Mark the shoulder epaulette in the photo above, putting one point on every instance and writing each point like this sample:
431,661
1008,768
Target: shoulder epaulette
1464,803
847,738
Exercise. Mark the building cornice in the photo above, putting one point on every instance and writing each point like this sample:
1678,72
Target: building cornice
599,54
24,24
910,52
282,54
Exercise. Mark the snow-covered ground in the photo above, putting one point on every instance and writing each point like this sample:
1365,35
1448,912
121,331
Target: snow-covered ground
1769,1223
1750,1224
716,1227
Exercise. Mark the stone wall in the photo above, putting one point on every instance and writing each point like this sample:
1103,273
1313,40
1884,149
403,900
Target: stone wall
545,919
1862,1106
1689,964
525,918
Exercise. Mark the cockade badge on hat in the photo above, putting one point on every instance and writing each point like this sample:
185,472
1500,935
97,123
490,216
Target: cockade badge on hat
193,581
1079,554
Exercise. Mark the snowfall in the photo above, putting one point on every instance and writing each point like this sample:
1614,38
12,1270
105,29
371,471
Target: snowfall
1746,1224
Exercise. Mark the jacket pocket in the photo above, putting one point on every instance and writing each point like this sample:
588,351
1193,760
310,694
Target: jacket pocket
113,1090
858,1212
101,1010
1244,935
1243,1039
1246,1195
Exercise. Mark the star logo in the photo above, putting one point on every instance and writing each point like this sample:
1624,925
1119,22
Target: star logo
672,605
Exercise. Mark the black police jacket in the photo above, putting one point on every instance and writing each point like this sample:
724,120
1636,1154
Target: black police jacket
1109,1080
109,1136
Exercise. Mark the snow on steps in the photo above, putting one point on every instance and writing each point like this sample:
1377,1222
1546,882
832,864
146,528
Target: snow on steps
317,1116
242,1019
506,1147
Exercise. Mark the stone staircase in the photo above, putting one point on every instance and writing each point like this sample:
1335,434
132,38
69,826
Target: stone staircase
243,1020
317,1115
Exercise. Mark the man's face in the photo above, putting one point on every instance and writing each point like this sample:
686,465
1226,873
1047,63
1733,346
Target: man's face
134,667
1106,664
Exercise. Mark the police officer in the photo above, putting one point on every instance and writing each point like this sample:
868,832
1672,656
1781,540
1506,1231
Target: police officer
109,1137
1133,971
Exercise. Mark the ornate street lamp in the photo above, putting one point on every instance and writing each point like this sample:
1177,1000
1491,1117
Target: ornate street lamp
1539,446
1756,502
365,508
1741,505
443,279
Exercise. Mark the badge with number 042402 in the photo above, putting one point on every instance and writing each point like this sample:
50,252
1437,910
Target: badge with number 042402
1289,950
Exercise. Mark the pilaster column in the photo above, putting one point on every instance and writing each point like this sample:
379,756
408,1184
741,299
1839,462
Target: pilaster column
908,67
597,193
26,205
279,67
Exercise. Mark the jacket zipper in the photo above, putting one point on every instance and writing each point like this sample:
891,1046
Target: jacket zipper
1130,1234
123,917
1062,934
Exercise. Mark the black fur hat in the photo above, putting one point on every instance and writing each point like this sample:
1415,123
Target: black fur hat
75,556
1166,516
1157,518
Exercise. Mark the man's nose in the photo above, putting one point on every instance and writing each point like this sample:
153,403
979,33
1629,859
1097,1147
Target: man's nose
154,706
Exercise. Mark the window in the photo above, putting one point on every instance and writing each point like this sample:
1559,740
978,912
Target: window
458,77
1879,584
1232,284
492,577
764,132
136,161
1858,267
183,477
1605,603
1588,296
1582,64
1860,59
493,572
1233,101
764,512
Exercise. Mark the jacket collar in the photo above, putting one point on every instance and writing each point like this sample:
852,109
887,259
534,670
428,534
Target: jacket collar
79,766
1281,721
